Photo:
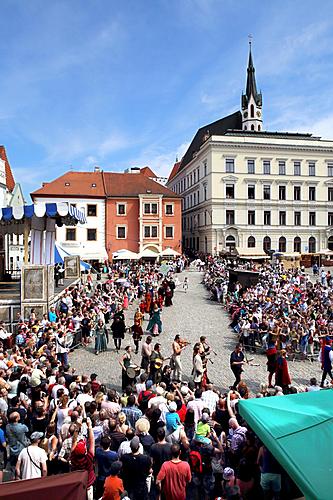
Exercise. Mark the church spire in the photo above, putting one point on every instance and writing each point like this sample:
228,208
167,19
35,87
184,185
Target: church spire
252,99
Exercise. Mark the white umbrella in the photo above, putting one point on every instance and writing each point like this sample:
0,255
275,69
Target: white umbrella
125,255
148,253
169,252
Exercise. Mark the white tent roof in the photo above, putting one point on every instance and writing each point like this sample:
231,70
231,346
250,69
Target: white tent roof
169,252
148,253
125,255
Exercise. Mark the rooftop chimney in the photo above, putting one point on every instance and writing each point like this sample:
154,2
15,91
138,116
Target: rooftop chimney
97,169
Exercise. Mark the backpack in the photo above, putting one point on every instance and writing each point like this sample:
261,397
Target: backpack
195,462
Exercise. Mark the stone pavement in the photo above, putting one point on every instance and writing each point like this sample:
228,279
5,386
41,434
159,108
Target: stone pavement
192,315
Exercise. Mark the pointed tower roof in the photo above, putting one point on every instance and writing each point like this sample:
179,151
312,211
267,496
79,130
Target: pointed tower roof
251,85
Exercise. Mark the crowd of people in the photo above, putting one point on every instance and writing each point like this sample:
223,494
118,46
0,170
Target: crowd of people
162,436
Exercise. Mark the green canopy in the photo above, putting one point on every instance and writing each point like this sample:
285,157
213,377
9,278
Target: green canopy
298,430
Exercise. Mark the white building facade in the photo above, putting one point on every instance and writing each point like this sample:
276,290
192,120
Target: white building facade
247,188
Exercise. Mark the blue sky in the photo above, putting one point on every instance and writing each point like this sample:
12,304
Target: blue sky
119,84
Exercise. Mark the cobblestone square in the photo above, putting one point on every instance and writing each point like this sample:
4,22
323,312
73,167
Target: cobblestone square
192,315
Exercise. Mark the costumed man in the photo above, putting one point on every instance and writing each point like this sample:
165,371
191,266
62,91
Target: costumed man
271,354
156,364
137,333
198,369
237,361
176,365
326,360
205,351
282,377
146,351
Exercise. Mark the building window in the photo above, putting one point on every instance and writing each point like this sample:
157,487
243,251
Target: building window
267,192
169,231
251,218
251,242
230,242
330,243
150,208
312,218
282,168
70,234
230,191
312,169
205,169
282,244
195,176
267,244
230,165
121,209
150,231
267,218
230,217
297,218
330,169
194,198
91,210
91,234
282,192
312,244
297,193
121,232
297,244
330,194
169,209
282,218
251,192
251,167
297,168
205,192
267,167
312,193
330,218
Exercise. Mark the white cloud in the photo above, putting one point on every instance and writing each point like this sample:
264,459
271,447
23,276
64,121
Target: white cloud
159,159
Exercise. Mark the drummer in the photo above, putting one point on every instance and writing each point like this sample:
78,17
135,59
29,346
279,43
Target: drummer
125,362
156,364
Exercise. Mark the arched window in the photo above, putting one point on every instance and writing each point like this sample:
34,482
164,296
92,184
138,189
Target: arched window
312,244
297,244
282,244
330,243
259,128
252,127
251,242
252,111
267,243
230,242
245,128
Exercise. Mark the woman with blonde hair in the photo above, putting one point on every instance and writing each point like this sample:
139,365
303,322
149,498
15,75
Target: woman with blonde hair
122,426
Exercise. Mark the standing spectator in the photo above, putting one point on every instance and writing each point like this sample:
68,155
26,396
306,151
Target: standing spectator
132,412
236,363
174,475
160,452
16,436
31,461
104,458
83,459
113,486
197,405
136,469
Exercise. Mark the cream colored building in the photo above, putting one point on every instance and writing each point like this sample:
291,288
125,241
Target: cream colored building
248,188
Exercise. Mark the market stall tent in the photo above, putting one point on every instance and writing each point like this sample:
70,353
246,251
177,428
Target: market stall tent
298,431
60,253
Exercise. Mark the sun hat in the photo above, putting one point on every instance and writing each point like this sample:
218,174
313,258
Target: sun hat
80,448
184,390
159,391
142,425
172,406
228,473
35,436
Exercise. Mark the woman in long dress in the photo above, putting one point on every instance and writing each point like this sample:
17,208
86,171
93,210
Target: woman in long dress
198,369
155,323
126,361
168,297
100,337
282,377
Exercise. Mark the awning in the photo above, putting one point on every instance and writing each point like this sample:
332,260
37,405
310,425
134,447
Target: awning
148,253
169,252
60,253
251,253
63,210
125,255
297,429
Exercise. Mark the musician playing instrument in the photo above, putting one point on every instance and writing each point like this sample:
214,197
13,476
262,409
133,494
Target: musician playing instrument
146,351
156,364
198,368
177,346
125,362
205,350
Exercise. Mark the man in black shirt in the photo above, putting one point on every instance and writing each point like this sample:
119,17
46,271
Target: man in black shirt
160,452
236,363
136,469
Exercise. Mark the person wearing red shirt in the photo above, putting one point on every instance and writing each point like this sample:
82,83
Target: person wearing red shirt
174,476
83,459
113,486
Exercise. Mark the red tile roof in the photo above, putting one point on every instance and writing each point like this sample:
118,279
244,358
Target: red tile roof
80,184
174,171
148,172
83,184
133,185
10,182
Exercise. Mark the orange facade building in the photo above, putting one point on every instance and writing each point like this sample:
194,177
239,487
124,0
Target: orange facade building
139,213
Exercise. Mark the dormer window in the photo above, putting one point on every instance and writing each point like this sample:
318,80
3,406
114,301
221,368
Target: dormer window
93,185
67,184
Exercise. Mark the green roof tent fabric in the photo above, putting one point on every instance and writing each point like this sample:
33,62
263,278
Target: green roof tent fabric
298,430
